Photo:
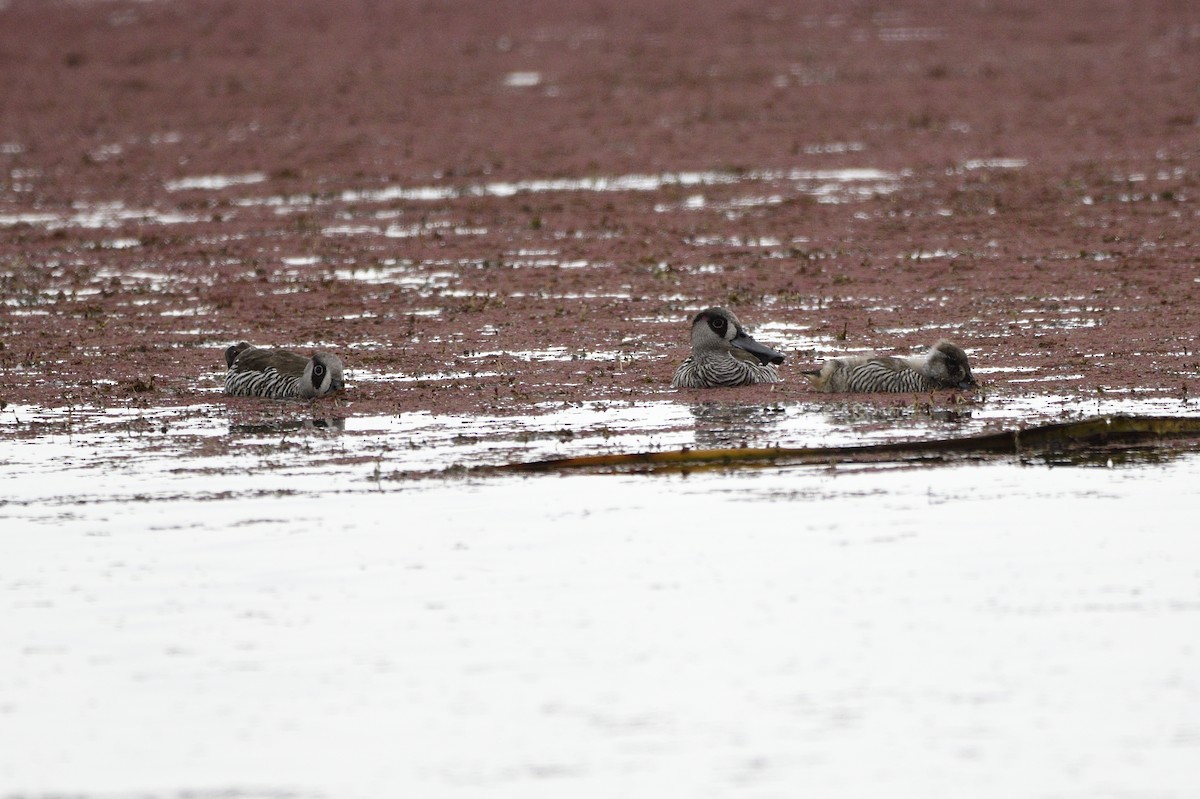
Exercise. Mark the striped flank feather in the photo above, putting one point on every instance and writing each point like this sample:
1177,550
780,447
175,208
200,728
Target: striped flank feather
267,383
722,371
944,365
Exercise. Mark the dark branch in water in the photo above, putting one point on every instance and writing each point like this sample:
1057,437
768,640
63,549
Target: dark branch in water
1065,437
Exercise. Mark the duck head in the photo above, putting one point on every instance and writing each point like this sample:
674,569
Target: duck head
323,374
717,330
949,366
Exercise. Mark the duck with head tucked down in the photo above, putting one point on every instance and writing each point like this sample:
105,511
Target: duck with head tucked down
723,354
279,374
944,365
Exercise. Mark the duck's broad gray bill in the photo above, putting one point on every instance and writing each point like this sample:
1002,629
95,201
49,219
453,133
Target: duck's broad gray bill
764,353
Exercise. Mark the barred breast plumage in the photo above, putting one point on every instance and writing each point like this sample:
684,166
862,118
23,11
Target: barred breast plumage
724,355
279,374
944,365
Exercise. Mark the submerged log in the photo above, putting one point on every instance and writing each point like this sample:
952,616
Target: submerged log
1060,437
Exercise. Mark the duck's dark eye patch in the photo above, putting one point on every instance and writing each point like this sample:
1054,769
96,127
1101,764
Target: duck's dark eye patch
318,371
718,324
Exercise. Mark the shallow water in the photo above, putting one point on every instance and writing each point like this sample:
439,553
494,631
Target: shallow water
200,604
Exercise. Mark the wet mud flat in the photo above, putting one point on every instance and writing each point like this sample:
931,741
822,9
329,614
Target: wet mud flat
501,217
482,211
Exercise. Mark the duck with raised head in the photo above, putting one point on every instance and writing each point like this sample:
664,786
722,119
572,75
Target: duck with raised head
944,365
724,355
280,374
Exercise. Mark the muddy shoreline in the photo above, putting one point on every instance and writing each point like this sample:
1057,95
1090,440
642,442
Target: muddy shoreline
495,211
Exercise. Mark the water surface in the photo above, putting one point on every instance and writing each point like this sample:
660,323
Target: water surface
194,605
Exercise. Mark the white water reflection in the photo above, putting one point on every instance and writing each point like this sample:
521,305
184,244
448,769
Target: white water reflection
558,354
521,80
168,619
827,185
996,163
821,182
401,273
214,182
98,215
424,377
790,337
